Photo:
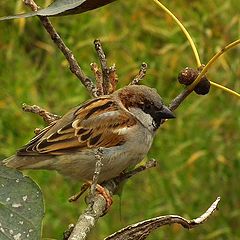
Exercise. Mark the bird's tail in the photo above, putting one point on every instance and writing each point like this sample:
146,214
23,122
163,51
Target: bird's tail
26,162
12,162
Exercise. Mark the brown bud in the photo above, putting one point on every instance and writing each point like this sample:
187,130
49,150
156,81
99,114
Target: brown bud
203,86
187,76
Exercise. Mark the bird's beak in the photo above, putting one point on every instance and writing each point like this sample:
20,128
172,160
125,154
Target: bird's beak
165,113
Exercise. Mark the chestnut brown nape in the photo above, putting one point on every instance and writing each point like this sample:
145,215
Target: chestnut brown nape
135,95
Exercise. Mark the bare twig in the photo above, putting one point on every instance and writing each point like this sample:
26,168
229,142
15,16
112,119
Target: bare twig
99,78
31,4
74,66
103,62
76,196
141,74
113,79
47,116
149,164
179,99
142,229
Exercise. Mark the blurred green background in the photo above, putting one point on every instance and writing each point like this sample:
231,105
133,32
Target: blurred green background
198,153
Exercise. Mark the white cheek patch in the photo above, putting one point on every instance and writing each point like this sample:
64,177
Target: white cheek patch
144,118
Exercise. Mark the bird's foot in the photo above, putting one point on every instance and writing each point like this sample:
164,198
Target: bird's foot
76,196
99,189
102,191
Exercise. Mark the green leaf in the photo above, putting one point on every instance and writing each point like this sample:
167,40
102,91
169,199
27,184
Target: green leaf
63,7
21,206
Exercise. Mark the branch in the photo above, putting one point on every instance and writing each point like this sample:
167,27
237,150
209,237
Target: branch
99,78
74,66
113,79
88,218
140,75
106,79
47,116
31,4
142,229
149,164
103,62
179,99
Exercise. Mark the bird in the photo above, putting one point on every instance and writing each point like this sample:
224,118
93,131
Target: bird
122,124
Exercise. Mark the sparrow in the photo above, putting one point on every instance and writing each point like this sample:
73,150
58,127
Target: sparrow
123,124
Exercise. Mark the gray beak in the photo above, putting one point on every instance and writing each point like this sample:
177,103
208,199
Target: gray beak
165,113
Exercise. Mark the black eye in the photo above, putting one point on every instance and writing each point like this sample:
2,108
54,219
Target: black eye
147,107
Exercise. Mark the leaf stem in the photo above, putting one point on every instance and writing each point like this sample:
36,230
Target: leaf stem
195,52
230,91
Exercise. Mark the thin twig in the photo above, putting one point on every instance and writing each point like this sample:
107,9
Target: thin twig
99,78
103,62
142,229
140,75
76,196
149,164
31,4
74,66
47,116
179,99
113,79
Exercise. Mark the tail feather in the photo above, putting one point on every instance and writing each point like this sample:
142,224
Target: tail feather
12,162
27,162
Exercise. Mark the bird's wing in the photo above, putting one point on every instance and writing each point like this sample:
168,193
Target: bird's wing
100,122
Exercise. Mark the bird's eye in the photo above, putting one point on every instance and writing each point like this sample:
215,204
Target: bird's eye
146,107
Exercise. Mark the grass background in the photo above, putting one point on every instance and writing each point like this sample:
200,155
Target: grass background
198,153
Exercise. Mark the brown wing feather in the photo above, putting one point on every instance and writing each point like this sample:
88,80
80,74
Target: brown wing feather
94,124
